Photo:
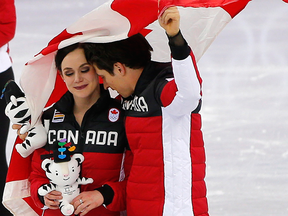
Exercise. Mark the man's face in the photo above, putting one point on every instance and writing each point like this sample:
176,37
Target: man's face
117,81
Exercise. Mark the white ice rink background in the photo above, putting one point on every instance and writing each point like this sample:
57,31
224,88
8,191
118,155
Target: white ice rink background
245,99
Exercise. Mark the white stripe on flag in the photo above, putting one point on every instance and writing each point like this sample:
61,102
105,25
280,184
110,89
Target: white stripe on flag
12,198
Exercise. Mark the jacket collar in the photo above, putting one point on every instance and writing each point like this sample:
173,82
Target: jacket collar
148,74
66,102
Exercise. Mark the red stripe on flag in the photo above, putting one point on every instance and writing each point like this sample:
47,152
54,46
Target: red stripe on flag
235,7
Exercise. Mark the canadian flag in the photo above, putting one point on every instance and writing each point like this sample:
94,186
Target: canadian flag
201,21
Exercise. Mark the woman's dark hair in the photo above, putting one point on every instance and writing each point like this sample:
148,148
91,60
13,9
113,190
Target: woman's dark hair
134,52
63,52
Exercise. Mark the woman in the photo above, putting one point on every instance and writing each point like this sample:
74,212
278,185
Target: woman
93,121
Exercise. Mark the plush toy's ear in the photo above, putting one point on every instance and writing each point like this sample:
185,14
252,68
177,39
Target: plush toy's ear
45,164
13,100
78,157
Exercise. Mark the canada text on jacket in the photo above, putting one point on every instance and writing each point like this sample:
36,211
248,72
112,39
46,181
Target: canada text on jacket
92,137
138,104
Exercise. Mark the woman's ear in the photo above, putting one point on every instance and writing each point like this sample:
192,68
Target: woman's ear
61,75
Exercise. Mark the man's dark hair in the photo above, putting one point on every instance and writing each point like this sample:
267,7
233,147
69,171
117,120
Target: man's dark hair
134,52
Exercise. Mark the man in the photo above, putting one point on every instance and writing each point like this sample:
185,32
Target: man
163,124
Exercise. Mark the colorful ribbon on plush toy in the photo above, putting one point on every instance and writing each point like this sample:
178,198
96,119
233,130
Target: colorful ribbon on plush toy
63,147
62,151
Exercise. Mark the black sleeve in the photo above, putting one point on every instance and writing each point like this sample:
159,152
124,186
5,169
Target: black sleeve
179,47
107,193
41,198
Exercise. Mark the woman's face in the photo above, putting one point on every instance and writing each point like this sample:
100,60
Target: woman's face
79,76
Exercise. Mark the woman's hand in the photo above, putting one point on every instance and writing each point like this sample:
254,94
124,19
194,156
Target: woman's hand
51,199
87,201
18,127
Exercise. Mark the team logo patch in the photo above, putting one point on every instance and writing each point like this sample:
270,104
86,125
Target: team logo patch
113,115
58,117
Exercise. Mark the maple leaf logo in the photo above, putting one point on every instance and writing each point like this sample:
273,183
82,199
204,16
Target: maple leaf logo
114,111
113,114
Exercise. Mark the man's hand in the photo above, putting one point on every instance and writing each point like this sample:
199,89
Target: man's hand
170,21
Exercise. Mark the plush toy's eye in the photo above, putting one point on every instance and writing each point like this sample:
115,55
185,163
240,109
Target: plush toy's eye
73,169
56,173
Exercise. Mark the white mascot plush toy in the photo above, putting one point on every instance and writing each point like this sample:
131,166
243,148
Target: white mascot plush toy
64,177
19,113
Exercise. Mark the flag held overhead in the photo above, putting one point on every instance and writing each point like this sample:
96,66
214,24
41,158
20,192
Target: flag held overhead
201,22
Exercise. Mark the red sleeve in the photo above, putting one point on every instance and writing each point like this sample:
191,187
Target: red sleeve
168,93
7,21
37,176
119,188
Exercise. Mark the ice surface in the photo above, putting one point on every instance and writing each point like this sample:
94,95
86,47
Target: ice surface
245,97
